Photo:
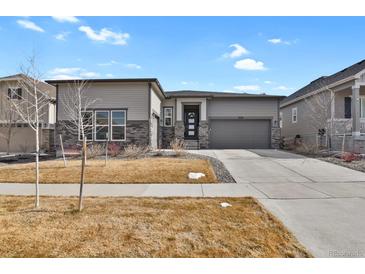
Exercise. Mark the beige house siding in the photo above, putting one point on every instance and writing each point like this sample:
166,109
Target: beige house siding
132,96
155,102
244,107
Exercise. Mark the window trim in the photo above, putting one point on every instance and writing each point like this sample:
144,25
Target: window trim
362,99
96,125
92,127
164,116
296,115
124,125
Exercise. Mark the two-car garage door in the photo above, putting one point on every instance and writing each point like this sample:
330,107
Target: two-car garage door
235,133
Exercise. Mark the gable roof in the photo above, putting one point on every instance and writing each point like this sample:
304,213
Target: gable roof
195,93
327,80
51,90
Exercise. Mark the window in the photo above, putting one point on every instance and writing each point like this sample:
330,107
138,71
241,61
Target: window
15,93
167,117
101,125
281,119
87,118
294,115
118,125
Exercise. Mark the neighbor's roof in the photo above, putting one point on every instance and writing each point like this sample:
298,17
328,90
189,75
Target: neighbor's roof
195,93
15,77
327,80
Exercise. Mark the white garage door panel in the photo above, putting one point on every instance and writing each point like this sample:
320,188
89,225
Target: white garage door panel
230,133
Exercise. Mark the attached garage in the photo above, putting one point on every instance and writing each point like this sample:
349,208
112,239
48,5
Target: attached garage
236,133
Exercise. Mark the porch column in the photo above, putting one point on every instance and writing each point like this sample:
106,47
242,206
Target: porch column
355,110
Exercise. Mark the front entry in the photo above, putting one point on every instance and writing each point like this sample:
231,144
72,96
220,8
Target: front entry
191,121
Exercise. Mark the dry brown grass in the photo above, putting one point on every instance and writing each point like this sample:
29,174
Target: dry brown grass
149,170
142,227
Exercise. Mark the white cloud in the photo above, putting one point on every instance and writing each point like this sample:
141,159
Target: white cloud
268,82
109,75
247,88
68,19
89,74
110,63
72,73
65,70
29,25
133,66
249,64
276,41
282,88
105,36
237,52
61,36
189,83
65,77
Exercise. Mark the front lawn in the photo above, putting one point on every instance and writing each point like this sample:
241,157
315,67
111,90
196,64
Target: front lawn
147,170
142,227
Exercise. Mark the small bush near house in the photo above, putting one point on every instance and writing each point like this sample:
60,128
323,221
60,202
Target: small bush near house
177,146
349,157
95,150
134,151
114,149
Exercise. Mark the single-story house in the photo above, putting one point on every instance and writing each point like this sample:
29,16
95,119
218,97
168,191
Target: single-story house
22,137
139,111
329,111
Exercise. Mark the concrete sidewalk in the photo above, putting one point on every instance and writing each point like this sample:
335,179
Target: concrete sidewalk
136,190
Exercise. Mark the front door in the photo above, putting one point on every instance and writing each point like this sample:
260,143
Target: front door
191,124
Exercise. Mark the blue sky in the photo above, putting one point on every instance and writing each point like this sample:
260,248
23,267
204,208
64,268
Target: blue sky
275,55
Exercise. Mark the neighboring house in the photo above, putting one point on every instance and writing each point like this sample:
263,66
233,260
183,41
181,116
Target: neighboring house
345,94
23,137
155,118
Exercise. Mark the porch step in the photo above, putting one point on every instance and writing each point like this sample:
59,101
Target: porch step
191,144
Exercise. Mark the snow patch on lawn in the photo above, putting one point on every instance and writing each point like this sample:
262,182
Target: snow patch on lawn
196,176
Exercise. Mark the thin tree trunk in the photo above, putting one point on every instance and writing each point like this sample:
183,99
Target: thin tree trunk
8,140
63,151
37,168
343,142
82,172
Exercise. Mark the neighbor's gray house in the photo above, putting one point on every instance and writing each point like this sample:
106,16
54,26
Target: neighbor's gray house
139,111
344,94
23,137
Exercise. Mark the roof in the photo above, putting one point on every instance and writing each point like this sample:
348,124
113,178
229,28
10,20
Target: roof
327,80
112,80
47,87
195,93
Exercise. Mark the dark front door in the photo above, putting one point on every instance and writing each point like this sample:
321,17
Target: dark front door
191,123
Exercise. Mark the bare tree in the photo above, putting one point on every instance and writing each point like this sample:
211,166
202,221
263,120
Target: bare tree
77,106
31,106
8,119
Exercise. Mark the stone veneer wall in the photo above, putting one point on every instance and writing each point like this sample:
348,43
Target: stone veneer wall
136,133
179,130
203,134
167,136
275,137
48,140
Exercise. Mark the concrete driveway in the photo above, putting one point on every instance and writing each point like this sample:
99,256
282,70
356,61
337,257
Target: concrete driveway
322,203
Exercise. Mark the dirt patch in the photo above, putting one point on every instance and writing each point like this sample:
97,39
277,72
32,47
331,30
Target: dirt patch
142,227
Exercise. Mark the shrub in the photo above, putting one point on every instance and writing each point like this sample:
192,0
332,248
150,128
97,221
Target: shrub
95,150
134,151
177,145
114,149
349,157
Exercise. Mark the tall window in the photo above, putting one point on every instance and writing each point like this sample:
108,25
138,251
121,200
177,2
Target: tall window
101,125
281,119
118,125
167,117
15,93
294,115
87,122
